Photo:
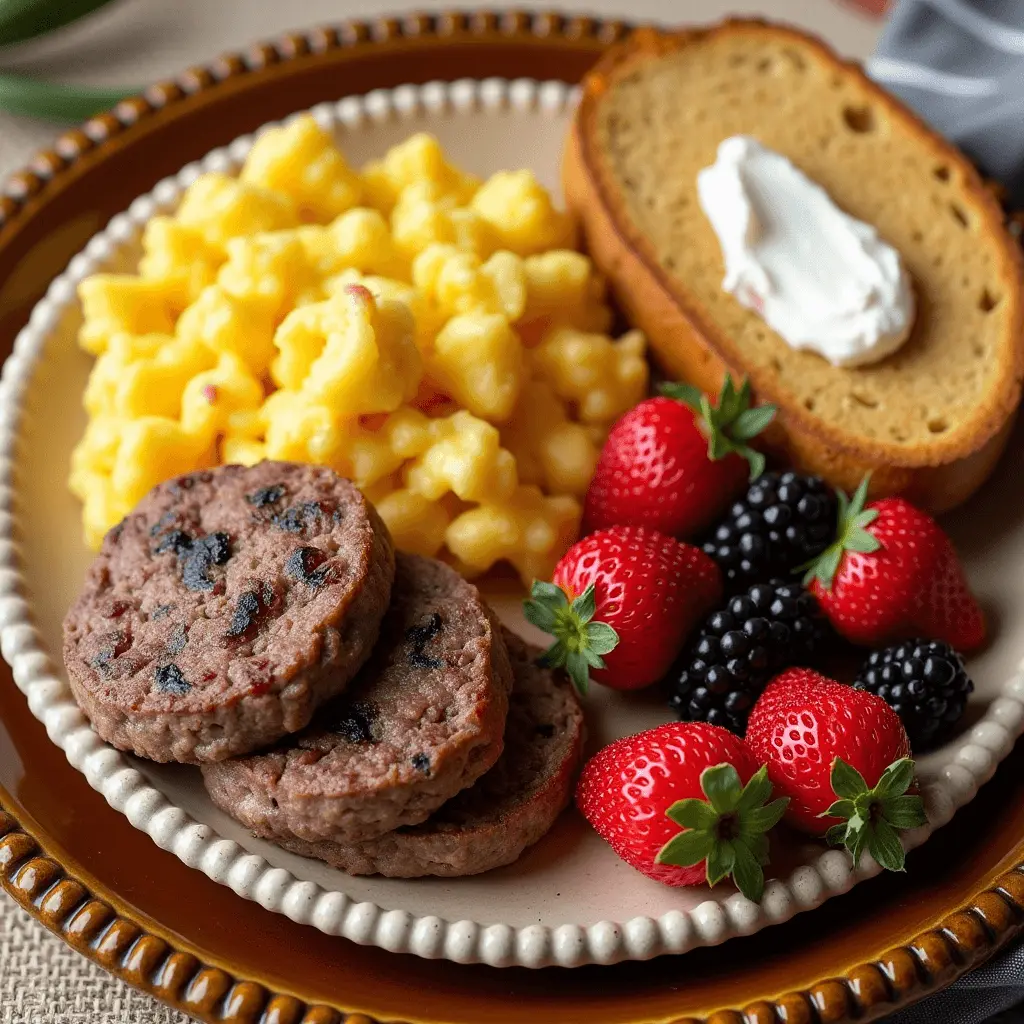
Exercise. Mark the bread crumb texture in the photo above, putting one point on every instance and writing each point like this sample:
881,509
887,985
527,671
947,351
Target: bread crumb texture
661,123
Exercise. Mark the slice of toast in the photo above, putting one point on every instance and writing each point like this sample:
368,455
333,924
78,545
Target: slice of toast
928,422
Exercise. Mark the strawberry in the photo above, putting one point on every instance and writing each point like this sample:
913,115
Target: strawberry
675,463
621,605
638,793
821,741
892,574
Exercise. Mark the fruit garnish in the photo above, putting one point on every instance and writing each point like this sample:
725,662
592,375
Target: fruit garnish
731,423
676,462
874,816
580,642
852,535
739,648
729,830
621,605
640,791
802,723
924,682
781,523
891,574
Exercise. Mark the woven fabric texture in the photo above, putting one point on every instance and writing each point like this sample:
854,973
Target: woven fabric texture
76,991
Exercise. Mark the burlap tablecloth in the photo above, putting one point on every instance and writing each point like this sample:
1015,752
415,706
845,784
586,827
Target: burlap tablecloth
42,981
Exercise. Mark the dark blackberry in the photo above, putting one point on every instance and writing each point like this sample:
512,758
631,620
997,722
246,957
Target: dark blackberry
783,521
740,648
925,683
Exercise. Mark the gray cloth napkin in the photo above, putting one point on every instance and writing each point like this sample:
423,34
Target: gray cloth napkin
960,64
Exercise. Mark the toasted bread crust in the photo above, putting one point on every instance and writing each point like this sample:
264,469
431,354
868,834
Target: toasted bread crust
938,475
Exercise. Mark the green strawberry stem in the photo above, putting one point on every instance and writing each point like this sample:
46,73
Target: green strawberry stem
873,818
579,641
852,534
729,425
729,829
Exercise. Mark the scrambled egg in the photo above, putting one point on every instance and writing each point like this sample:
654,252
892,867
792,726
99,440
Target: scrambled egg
432,336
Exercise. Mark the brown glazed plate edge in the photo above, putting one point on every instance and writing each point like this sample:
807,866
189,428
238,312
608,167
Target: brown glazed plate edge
96,918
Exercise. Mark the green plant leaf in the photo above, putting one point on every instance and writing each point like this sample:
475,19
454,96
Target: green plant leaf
686,849
847,782
840,809
721,785
884,845
904,811
50,101
862,542
896,779
539,614
721,859
756,791
747,874
579,671
685,393
26,19
764,819
693,813
603,639
758,846
585,605
836,835
752,422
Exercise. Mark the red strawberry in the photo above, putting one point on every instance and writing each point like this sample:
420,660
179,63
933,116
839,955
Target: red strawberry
892,574
638,791
676,463
627,593
822,740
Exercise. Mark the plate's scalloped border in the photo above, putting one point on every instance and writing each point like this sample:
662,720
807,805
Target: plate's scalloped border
64,904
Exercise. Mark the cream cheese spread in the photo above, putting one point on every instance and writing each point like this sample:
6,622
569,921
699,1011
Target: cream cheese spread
819,278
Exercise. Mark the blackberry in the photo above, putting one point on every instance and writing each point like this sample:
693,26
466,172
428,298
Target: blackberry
783,521
925,683
740,648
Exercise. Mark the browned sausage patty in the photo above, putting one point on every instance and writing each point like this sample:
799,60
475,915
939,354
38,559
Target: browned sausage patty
423,721
509,809
226,608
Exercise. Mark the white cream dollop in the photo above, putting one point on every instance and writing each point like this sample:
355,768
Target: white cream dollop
821,279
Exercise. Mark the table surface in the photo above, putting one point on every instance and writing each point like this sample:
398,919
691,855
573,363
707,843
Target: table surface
135,41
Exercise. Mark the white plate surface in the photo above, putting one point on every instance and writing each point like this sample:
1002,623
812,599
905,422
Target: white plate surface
569,900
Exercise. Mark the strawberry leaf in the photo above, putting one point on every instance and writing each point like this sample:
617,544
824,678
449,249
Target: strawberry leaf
602,639
756,791
896,778
692,813
905,812
585,605
847,781
852,534
729,829
885,846
836,835
731,423
579,641
840,809
721,859
874,816
764,819
721,785
686,849
747,873
685,393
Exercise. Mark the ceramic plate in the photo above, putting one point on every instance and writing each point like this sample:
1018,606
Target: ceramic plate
80,867
569,900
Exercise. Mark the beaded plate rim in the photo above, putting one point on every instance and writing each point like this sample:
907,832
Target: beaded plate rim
42,885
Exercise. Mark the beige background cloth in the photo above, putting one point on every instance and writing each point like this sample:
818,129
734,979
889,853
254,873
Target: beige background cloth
42,981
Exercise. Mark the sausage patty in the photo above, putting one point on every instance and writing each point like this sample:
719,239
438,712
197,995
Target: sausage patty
226,608
509,809
423,720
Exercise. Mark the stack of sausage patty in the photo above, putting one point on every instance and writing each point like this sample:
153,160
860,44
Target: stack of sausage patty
346,702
